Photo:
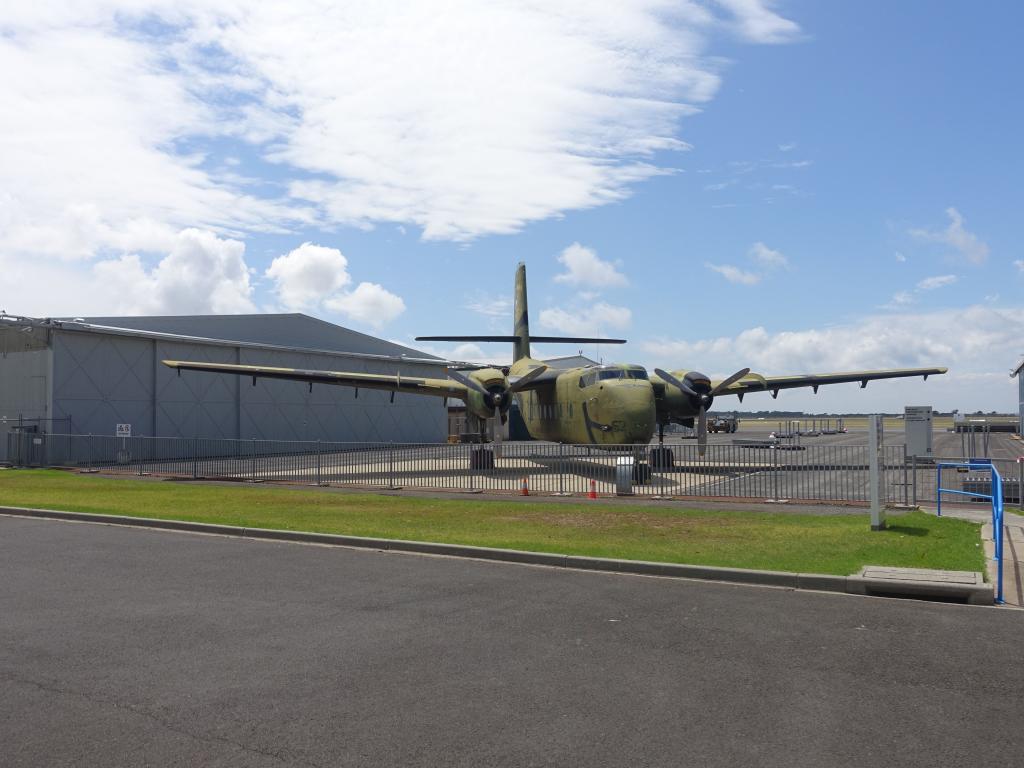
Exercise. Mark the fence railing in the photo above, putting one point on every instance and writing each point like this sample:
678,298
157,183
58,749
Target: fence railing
755,471
993,496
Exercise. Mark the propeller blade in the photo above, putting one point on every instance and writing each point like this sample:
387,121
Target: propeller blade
466,381
496,432
702,431
686,389
522,381
726,383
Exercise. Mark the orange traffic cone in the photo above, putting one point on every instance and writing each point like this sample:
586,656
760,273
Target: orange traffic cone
525,489
593,490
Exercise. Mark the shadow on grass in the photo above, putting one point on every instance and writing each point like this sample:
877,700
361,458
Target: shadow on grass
909,530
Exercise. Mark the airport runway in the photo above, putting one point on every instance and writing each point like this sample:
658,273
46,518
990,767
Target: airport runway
128,647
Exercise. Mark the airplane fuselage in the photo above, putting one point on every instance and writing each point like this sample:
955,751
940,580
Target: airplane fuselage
600,405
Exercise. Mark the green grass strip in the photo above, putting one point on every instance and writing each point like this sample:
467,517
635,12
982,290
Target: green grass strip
833,544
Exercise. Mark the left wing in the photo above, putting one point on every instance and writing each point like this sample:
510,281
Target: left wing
753,382
398,383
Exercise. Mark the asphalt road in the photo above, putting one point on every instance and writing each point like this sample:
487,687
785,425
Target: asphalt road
139,647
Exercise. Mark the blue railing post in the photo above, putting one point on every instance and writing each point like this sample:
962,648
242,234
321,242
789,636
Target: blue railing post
996,497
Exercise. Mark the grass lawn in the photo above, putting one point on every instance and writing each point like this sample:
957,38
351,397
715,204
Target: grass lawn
772,541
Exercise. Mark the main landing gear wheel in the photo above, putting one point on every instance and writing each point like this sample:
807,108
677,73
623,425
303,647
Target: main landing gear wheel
641,473
661,458
481,458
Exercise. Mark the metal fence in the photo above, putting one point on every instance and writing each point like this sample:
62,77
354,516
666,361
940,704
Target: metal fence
837,473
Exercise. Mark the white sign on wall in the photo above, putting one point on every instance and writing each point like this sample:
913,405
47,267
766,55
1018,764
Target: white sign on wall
124,430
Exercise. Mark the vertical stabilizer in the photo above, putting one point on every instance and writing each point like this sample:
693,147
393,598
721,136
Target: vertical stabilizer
521,346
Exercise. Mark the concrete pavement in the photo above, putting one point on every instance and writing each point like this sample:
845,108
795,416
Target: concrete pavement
141,647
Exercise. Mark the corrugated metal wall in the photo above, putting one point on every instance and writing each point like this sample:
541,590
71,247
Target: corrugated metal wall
102,380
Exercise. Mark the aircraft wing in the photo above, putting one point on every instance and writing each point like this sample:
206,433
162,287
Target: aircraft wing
398,383
753,382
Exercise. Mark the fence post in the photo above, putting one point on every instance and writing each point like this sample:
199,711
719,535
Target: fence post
561,470
252,460
913,478
875,475
775,473
1020,483
391,466
906,490
319,461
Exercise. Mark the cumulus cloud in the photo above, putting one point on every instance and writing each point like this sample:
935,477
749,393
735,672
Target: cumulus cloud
307,275
957,237
369,303
313,277
735,274
972,342
584,268
595,319
1019,264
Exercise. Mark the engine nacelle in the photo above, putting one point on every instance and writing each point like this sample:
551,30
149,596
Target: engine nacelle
498,395
680,406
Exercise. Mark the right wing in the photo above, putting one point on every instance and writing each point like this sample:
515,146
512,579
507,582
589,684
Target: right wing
753,382
412,384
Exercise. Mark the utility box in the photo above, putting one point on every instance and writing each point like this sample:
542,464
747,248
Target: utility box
917,424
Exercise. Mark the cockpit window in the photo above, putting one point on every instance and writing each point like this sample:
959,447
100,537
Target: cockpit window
622,373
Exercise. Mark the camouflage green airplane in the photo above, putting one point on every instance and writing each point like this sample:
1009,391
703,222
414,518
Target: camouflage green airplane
603,405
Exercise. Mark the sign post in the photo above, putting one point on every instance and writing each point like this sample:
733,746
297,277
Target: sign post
875,473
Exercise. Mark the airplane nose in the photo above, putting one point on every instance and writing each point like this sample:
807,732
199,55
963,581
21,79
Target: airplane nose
633,411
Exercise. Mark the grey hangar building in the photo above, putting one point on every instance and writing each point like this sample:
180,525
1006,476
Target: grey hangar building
103,375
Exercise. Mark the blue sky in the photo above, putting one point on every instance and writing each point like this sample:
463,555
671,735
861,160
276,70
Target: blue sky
790,186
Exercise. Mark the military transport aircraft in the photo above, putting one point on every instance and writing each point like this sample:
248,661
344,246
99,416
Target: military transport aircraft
604,405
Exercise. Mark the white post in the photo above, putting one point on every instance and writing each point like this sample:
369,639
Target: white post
875,476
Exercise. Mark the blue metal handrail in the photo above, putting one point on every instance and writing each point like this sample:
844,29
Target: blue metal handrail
996,497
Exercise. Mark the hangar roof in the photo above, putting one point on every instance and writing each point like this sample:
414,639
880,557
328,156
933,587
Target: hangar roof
271,331
1017,371
285,330
573,361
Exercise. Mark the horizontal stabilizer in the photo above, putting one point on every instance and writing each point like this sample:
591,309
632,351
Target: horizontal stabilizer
574,340
541,339
466,338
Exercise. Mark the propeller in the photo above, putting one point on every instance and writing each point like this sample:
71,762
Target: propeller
497,396
703,398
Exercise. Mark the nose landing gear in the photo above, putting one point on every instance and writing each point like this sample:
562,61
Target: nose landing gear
661,457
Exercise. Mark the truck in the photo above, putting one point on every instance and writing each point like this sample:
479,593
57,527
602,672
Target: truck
719,423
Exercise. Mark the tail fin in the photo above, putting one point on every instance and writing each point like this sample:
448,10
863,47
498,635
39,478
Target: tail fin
521,316
521,331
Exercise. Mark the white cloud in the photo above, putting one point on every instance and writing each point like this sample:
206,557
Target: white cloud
938,281
307,275
200,274
956,236
491,306
758,24
584,267
787,147
900,257
369,303
902,298
586,320
562,108
735,274
1019,264
972,342
766,257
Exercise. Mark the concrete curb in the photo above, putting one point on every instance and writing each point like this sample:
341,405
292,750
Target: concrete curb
805,581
